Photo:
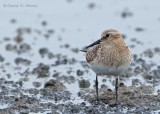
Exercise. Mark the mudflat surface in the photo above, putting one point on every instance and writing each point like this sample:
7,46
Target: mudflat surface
42,71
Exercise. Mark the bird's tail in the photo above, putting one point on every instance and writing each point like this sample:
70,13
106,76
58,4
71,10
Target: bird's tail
84,49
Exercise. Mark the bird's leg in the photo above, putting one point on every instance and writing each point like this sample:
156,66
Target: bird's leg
97,87
116,88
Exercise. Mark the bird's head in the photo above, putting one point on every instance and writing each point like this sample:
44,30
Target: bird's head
110,37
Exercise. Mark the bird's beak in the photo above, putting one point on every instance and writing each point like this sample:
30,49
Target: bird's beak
91,45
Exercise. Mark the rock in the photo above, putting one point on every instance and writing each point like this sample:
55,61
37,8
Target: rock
80,73
149,53
65,46
136,82
36,84
139,29
7,39
41,70
50,31
13,21
126,13
91,5
56,74
84,84
22,61
44,23
50,55
18,38
10,47
2,80
54,84
104,80
43,51
103,86
1,58
138,70
21,31
75,50
157,49
24,47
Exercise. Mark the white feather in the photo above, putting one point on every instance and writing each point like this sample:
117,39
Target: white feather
107,70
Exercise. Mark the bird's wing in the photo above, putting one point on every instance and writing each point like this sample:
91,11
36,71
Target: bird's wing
92,53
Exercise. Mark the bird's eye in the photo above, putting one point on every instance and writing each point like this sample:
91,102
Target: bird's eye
107,35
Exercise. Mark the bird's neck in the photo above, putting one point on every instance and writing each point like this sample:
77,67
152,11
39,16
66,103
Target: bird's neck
119,43
114,44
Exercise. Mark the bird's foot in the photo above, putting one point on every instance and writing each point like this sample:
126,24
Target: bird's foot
118,103
97,100
115,104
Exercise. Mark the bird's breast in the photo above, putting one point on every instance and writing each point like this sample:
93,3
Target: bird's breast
109,61
100,69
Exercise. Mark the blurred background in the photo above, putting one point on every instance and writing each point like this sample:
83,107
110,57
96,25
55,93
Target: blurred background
40,41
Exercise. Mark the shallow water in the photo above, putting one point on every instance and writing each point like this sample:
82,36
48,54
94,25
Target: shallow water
75,24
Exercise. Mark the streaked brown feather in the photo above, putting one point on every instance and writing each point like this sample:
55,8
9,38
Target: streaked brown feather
110,56
92,53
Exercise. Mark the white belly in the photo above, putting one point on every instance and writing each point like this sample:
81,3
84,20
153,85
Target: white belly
107,70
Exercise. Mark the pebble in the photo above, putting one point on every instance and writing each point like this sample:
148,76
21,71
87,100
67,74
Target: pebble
104,80
56,74
126,13
2,58
24,47
43,51
13,21
91,5
41,70
22,61
2,80
136,82
10,47
84,84
44,23
37,84
103,86
18,39
139,29
149,53
157,49
54,84
50,55
7,39
22,31
75,50
80,72
50,31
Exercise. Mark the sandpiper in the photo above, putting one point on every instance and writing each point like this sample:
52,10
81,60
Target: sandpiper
108,56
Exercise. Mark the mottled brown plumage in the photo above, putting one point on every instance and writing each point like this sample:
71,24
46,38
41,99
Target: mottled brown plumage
111,52
90,56
108,56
